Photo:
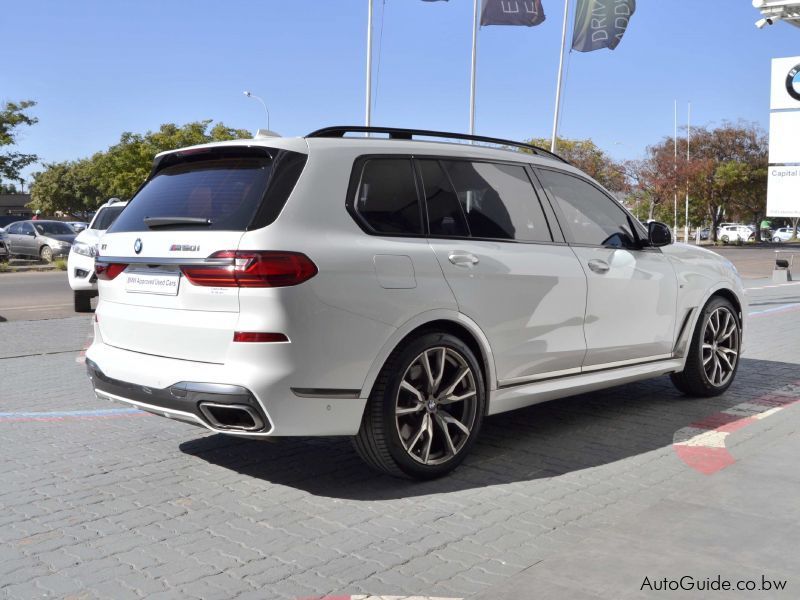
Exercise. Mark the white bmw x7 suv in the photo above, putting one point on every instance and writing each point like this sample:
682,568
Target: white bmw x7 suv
394,290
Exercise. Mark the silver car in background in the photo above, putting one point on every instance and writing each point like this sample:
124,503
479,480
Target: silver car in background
45,240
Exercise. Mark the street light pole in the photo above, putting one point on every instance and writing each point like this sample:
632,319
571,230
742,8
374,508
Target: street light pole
266,110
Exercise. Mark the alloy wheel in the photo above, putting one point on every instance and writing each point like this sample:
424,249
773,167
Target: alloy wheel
720,349
436,405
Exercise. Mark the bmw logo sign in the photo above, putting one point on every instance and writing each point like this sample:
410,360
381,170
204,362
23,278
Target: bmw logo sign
137,245
793,82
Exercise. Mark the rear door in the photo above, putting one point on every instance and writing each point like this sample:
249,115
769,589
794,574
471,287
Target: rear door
509,272
632,291
168,271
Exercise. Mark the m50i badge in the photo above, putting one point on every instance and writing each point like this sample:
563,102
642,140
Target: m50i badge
184,248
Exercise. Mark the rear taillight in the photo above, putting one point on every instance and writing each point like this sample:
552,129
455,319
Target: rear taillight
253,269
108,271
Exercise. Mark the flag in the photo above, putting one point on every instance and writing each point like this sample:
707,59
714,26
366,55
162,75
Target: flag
601,23
512,12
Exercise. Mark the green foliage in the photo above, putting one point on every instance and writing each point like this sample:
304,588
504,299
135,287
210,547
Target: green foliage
587,156
13,116
60,264
84,184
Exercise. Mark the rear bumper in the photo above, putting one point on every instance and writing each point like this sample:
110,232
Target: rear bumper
177,388
185,401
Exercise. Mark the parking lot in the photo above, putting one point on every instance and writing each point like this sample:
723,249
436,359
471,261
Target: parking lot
602,495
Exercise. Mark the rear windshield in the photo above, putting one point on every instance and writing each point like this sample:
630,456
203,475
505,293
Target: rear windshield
226,189
106,217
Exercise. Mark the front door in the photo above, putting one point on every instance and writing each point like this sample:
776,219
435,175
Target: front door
632,289
495,247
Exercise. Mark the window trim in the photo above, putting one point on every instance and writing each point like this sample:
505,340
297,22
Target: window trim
357,174
562,219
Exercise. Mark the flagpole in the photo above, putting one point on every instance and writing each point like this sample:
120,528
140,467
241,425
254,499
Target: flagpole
368,115
474,67
675,176
688,157
560,77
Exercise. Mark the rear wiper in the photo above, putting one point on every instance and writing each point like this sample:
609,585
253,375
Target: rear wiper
153,222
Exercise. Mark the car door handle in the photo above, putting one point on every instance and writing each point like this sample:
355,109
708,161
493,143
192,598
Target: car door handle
599,266
463,259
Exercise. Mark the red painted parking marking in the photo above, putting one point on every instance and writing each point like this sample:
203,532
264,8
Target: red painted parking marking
701,445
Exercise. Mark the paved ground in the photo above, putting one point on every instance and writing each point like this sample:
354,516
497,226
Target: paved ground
35,295
579,498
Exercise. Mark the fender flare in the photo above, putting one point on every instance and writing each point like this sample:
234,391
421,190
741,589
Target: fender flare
415,323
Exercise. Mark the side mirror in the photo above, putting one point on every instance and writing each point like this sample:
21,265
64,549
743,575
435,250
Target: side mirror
658,234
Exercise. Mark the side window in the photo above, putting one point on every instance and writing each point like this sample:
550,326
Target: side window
27,229
590,216
445,217
499,201
14,228
387,196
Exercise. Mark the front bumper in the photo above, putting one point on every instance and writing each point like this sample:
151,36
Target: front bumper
80,272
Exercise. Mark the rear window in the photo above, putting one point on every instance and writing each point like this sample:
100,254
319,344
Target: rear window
106,217
387,197
228,188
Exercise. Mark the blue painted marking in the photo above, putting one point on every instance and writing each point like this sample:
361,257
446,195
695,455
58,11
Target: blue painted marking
68,413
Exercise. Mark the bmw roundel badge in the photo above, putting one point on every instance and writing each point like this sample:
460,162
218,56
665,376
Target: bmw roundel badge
793,82
137,245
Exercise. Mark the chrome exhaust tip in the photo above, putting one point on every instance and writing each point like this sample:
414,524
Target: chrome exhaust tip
232,417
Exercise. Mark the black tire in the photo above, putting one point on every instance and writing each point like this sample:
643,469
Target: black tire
379,440
777,240
82,301
46,254
724,239
693,380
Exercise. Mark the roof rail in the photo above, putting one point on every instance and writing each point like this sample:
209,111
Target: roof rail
399,133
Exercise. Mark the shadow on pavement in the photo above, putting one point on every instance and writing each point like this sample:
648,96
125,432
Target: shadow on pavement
546,440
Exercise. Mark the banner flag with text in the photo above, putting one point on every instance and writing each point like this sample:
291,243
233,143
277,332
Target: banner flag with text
512,12
601,23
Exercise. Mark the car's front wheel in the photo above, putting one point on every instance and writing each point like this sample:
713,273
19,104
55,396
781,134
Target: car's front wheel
713,355
725,239
425,410
777,240
82,301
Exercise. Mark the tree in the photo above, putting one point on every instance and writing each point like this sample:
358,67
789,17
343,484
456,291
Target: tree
745,184
585,155
736,142
119,171
13,116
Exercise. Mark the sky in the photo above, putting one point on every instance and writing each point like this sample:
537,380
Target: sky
98,68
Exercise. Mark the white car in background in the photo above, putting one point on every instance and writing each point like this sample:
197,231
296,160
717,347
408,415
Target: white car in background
80,263
784,234
735,233
395,291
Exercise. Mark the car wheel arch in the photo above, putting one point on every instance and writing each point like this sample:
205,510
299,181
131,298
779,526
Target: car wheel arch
454,323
